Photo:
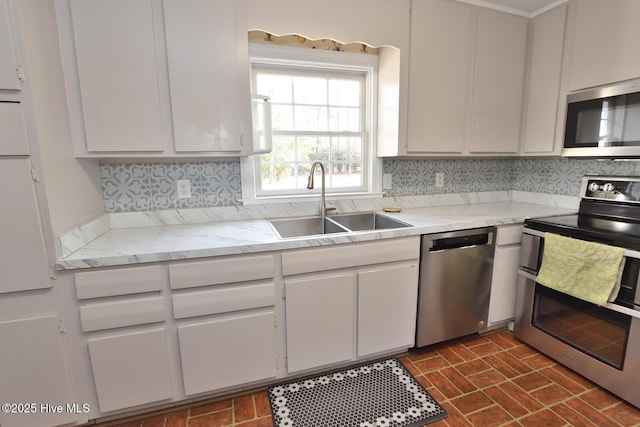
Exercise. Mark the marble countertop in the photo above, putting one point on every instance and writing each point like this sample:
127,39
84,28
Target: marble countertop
176,242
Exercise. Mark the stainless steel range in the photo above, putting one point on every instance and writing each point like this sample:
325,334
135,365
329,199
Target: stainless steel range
600,342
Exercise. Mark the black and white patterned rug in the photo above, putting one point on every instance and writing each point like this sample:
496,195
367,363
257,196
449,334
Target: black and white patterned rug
375,395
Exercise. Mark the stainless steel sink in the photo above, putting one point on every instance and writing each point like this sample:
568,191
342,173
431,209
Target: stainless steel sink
299,227
367,221
344,223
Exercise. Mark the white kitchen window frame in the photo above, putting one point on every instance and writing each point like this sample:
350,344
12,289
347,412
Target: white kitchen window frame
334,62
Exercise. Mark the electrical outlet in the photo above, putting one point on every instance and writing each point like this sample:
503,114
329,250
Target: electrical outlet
184,188
439,179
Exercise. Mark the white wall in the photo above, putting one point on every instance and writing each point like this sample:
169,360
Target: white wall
73,187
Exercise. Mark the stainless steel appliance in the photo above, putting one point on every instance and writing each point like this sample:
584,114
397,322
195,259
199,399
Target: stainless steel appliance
601,343
455,284
604,122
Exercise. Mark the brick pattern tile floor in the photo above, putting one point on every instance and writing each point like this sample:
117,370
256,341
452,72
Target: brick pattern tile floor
482,381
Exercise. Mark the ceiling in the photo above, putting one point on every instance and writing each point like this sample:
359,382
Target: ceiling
522,7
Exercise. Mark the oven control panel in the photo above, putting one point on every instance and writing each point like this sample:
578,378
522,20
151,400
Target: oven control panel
612,188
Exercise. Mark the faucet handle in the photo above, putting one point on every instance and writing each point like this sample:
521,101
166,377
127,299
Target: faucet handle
330,208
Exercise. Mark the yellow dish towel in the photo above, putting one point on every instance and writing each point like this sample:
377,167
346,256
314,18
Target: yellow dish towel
586,270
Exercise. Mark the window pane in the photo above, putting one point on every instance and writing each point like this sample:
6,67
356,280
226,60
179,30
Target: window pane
282,117
346,149
310,118
312,148
343,119
277,87
310,90
344,92
345,175
276,176
283,149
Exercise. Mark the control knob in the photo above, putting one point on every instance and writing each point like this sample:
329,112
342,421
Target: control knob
608,187
593,186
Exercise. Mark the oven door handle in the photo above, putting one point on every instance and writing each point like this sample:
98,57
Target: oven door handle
627,252
615,307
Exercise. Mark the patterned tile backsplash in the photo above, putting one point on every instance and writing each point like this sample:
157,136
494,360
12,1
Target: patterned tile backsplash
151,186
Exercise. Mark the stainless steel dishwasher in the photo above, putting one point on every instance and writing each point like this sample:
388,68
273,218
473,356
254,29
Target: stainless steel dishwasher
455,284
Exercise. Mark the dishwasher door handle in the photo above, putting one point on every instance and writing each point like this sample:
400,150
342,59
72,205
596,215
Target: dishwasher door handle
449,243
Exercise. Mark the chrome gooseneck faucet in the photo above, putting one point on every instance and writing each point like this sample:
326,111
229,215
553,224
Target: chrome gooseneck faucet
323,204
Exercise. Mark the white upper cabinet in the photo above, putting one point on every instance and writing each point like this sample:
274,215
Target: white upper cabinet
439,75
605,42
153,78
115,50
541,107
496,102
8,59
466,77
207,51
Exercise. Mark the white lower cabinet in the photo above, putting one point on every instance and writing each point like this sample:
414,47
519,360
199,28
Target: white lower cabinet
34,371
223,324
131,369
387,308
505,274
122,319
320,315
24,266
223,353
225,312
360,300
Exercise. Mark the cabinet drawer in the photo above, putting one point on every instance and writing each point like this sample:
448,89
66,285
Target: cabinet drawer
223,300
214,272
310,260
509,234
96,317
106,283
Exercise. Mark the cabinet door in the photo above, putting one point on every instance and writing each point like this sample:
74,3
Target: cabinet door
320,312
496,103
28,374
441,51
8,60
24,263
14,141
503,286
131,369
605,43
115,50
208,80
227,352
387,308
543,86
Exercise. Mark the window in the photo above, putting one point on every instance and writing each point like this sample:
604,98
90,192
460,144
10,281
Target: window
321,111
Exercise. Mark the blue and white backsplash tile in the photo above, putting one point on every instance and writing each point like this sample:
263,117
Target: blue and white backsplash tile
417,177
151,186
563,176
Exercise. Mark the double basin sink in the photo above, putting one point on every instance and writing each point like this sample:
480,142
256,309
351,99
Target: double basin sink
341,223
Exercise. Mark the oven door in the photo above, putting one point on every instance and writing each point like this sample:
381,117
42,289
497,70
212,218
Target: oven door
600,343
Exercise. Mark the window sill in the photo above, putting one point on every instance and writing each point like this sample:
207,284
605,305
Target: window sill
314,197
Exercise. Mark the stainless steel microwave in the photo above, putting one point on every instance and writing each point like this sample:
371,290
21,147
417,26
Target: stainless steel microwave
604,122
